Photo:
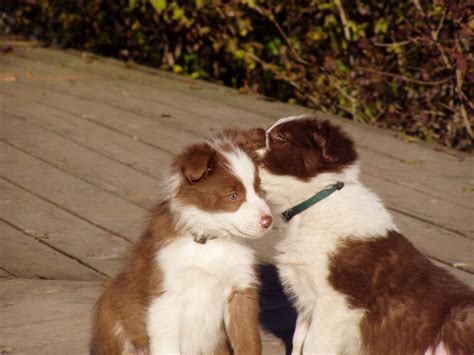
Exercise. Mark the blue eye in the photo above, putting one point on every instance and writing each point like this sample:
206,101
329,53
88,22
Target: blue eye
234,196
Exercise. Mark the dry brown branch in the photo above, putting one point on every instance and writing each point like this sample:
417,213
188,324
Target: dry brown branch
270,17
402,43
418,6
462,108
342,15
404,78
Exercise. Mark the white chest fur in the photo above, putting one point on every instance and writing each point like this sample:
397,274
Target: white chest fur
326,324
198,278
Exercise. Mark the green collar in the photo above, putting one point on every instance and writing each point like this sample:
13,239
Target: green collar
321,195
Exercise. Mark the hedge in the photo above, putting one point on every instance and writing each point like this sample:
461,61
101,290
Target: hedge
405,65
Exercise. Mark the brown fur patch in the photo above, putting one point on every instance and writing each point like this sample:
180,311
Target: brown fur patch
128,295
411,303
211,181
307,147
243,328
249,140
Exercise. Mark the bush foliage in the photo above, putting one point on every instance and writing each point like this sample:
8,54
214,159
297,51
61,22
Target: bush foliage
405,65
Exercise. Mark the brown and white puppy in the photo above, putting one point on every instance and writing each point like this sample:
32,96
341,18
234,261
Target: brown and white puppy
190,284
359,286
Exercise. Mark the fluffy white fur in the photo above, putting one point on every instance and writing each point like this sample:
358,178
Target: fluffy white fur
325,324
198,279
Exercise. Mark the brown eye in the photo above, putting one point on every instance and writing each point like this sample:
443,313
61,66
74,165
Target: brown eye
234,196
280,139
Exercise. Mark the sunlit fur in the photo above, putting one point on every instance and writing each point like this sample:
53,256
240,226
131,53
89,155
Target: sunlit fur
359,286
178,294
326,324
243,223
303,254
198,279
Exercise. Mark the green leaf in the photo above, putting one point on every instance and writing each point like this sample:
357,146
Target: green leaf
159,5
178,13
199,3
381,26
177,68
240,53
325,6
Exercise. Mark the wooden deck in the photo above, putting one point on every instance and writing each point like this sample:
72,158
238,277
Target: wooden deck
83,141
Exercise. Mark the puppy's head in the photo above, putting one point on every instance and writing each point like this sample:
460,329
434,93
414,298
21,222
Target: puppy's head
216,191
306,146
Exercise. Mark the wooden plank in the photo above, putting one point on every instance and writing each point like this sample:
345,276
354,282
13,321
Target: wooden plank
448,180
449,250
105,116
46,317
27,257
163,95
74,195
77,160
136,77
463,276
53,317
415,203
131,139
435,242
421,206
92,89
441,245
4,274
75,238
92,92
211,92
437,180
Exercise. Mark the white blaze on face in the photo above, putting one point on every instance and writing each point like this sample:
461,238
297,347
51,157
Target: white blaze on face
247,218
279,122
248,221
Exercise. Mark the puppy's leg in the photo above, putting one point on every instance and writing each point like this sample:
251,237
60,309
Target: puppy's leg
108,337
242,324
333,330
163,325
301,330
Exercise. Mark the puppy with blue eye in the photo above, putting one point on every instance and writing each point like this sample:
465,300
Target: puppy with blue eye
190,285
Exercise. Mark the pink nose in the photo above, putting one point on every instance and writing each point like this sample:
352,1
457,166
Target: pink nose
266,221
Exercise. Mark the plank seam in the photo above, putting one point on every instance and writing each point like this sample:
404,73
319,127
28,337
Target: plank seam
53,247
11,273
365,163
194,134
113,129
128,165
110,232
450,265
421,219
71,174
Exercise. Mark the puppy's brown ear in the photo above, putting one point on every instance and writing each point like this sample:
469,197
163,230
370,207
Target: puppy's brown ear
248,139
257,137
196,162
336,146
